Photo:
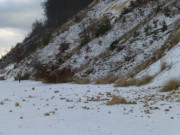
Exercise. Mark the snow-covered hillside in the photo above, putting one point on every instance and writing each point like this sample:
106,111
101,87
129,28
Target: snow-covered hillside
139,40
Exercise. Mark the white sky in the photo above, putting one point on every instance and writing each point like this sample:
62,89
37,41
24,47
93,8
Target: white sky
16,18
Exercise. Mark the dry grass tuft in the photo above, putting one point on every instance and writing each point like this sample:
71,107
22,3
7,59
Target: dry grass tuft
105,80
116,100
2,78
173,84
82,81
144,80
163,65
124,82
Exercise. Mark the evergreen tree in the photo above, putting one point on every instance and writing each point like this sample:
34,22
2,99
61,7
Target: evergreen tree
58,11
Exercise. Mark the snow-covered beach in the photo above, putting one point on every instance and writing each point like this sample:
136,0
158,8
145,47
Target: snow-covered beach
70,109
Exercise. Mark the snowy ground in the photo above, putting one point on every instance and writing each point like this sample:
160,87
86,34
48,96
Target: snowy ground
69,109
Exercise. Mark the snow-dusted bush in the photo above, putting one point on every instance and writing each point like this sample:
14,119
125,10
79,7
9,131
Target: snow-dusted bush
103,28
167,11
64,46
125,11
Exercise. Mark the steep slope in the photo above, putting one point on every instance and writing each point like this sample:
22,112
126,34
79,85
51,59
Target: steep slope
137,40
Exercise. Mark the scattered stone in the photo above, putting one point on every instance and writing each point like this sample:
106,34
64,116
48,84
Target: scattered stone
79,100
147,112
6,99
86,102
1,103
62,98
53,112
108,94
85,107
46,114
17,104
30,96
156,108
70,107
88,91
166,110
68,100
56,91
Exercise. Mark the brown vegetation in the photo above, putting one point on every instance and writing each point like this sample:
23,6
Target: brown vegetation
51,73
124,82
163,65
119,100
64,46
173,84
81,81
105,80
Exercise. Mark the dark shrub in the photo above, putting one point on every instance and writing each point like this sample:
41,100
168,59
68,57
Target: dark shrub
114,45
125,11
51,73
136,34
158,9
167,11
64,75
18,53
138,3
60,61
46,40
26,76
84,42
64,46
147,29
164,26
103,28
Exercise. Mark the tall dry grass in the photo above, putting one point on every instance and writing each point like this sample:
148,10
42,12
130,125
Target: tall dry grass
173,84
124,82
82,81
105,80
